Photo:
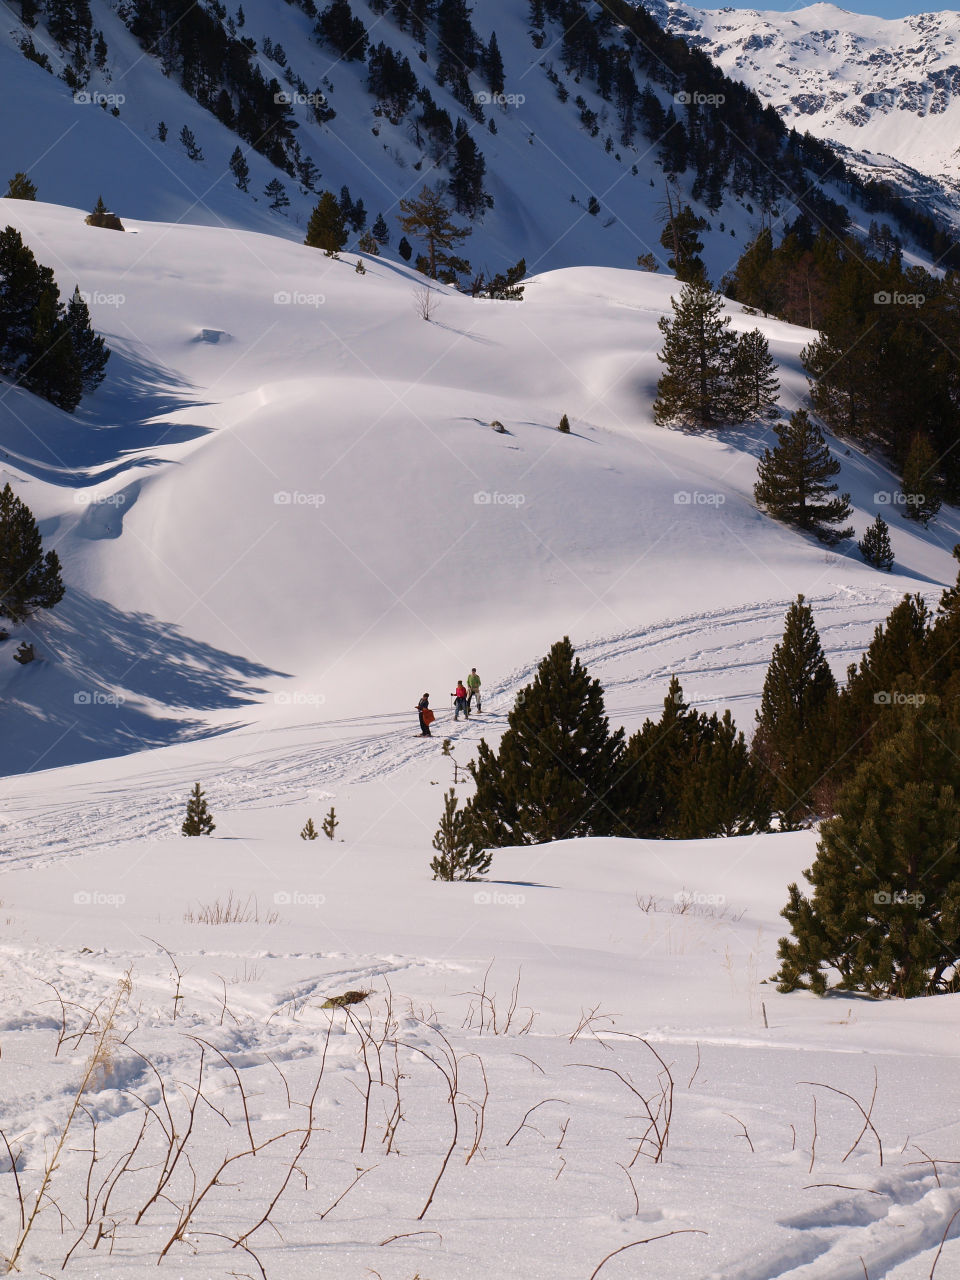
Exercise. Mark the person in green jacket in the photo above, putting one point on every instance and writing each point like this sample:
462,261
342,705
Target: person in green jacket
473,689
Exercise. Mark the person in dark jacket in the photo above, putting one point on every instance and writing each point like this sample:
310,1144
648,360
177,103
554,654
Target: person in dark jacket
425,720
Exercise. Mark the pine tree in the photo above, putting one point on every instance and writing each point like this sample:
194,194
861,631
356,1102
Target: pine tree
23,282
277,194
29,579
797,712
875,545
427,218
456,858
240,169
380,230
756,387
199,820
102,217
51,368
681,236
466,178
555,764
792,481
405,249
564,425
338,27
162,132
330,824
655,769
493,66
369,244
884,916
325,230
21,188
90,349
309,831
724,791
922,490
754,279
696,388
189,144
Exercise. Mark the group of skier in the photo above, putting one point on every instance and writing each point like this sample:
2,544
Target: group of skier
463,697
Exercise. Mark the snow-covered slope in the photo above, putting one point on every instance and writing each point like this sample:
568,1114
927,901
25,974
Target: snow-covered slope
886,90
287,492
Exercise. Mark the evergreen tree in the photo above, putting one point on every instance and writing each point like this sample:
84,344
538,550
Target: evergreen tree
405,249
793,481
921,486
884,916
456,858
330,824
369,244
754,279
493,66
162,132
564,425
681,236
466,178
29,579
102,217
21,188
428,218
23,282
309,831
337,27
755,384
797,713
277,194
189,144
240,169
380,230
655,769
556,761
90,349
695,388
325,230
724,790
875,545
199,820
51,367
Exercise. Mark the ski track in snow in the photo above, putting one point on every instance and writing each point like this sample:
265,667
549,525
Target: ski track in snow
698,648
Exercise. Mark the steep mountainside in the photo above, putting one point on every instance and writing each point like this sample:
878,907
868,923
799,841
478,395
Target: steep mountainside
885,91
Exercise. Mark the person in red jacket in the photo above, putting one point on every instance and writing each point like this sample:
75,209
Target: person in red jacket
460,701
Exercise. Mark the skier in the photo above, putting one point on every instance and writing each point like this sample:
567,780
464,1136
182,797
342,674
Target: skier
460,701
473,684
426,715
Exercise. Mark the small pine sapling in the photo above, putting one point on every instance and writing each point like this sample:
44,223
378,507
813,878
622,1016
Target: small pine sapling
875,545
456,858
24,654
564,425
199,820
360,269
330,824
309,832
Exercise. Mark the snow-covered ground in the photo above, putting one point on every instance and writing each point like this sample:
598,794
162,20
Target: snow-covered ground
273,542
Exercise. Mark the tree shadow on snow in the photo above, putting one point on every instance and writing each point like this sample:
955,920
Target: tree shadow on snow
108,683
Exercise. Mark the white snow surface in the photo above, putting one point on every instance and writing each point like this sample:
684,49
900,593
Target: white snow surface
273,543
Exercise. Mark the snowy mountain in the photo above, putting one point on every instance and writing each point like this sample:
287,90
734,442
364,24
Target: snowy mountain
885,91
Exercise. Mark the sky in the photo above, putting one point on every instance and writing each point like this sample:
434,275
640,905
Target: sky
879,8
